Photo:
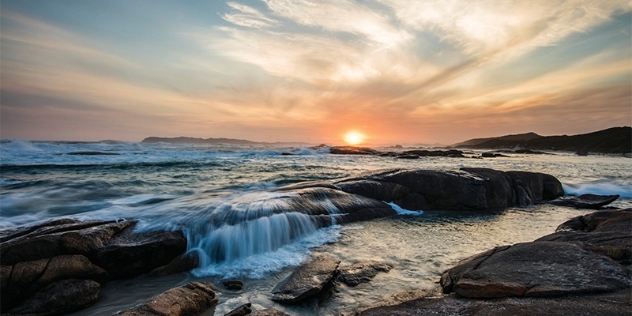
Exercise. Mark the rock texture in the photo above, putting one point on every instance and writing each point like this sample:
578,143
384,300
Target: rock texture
308,280
241,310
36,257
193,298
536,269
268,312
361,272
60,297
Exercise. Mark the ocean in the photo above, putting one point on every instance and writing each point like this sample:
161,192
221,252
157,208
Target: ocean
210,192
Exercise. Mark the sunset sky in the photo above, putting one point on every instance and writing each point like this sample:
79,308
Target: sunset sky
396,71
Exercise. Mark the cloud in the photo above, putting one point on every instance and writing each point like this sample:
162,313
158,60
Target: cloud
248,17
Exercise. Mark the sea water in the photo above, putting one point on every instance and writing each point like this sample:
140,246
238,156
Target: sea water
220,196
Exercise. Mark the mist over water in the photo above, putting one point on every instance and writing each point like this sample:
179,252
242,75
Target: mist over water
220,197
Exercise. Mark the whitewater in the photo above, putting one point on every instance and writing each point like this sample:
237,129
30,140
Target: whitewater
222,198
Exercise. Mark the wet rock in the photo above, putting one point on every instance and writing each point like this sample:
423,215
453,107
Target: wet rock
60,297
181,263
233,285
308,280
435,153
26,278
241,310
605,232
352,150
535,269
590,201
193,298
362,272
130,254
407,156
616,303
269,312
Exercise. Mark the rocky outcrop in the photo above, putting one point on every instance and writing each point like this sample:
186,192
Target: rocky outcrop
565,273
241,310
69,252
268,312
308,280
535,269
464,189
361,272
608,233
193,298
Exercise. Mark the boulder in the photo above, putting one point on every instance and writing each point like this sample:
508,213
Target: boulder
591,201
26,278
233,285
605,232
308,280
616,303
361,272
194,298
241,310
535,269
181,263
60,297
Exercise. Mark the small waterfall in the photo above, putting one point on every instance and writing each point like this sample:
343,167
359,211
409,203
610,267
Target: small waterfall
252,225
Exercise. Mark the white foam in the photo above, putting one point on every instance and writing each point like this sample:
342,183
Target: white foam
601,188
403,211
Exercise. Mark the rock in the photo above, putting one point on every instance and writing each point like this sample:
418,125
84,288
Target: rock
194,298
352,150
58,238
269,312
129,254
362,272
535,269
407,156
435,153
240,311
60,297
617,303
181,263
26,278
605,232
492,155
233,285
591,201
92,153
308,280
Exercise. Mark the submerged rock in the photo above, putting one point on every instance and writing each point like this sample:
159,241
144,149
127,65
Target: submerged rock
361,272
308,280
591,201
233,285
269,312
241,310
194,298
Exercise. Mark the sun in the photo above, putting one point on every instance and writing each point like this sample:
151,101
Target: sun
354,138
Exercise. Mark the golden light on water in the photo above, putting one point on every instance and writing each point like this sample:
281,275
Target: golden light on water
354,138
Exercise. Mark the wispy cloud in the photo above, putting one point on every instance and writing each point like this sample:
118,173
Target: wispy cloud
248,17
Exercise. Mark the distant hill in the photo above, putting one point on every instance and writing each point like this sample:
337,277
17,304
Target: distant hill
514,137
193,140
611,140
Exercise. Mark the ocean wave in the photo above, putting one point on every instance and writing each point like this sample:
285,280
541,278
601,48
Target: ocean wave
601,188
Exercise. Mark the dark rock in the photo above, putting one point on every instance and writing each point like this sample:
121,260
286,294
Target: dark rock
58,238
362,272
616,303
60,297
233,285
352,150
269,312
435,153
193,298
605,232
130,254
535,269
240,311
92,153
287,154
492,155
27,278
181,263
308,280
581,153
591,201
407,156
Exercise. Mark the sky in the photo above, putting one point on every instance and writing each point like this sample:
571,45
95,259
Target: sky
393,71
